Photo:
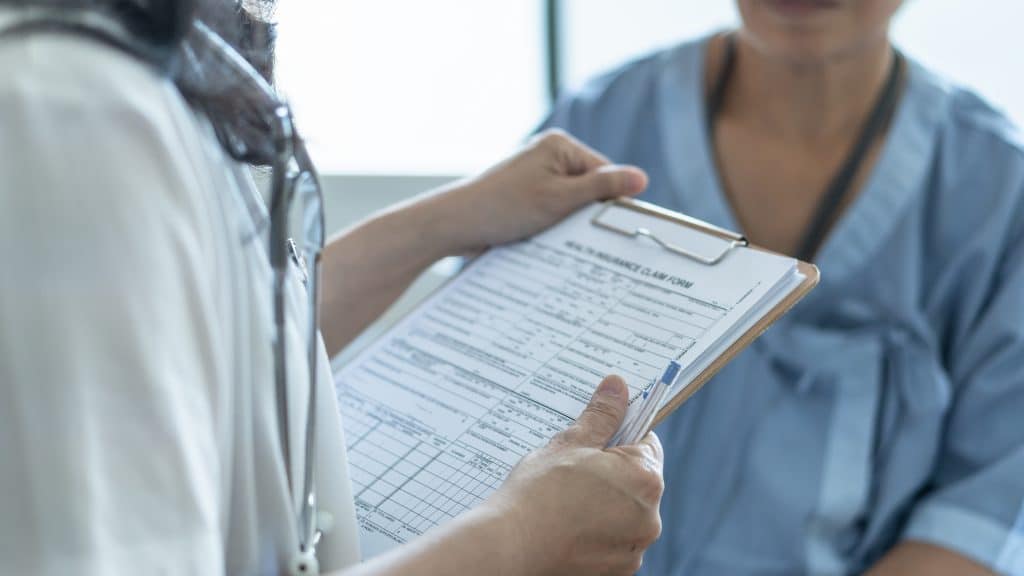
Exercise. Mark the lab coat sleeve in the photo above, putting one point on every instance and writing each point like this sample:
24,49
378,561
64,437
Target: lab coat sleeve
108,450
975,504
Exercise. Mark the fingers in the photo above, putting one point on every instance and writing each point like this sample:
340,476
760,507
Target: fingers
609,181
601,418
573,157
646,460
653,453
592,177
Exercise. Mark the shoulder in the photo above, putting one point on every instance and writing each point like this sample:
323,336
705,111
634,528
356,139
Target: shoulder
620,83
970,128
616,100
977,176
71,92
47,71
972,116
972,209
103,149
83,119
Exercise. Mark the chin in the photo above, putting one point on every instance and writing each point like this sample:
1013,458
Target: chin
798,48
807,50
814,31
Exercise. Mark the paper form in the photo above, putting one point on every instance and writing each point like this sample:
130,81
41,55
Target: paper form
490,367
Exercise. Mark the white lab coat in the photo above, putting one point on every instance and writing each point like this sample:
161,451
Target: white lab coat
137,418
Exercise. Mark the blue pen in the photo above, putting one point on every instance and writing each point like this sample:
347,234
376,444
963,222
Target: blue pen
637,426
633,413
667,380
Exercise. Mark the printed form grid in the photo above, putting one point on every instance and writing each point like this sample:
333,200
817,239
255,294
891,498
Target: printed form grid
407,478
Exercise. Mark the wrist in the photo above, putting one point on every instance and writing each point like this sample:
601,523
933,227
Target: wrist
448,212
521,545
426,224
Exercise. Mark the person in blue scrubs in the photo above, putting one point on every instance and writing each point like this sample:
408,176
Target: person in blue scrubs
880,425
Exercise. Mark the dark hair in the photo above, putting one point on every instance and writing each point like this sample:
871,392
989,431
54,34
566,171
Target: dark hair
162,33
163,23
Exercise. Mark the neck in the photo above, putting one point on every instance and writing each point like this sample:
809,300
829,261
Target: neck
813,103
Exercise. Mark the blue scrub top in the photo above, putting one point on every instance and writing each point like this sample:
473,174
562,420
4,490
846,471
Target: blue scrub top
889,405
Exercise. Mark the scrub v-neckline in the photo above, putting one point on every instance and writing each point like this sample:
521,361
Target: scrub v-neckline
898,174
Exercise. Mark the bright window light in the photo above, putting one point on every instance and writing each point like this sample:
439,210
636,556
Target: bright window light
977,44
601,34
451,86
412,87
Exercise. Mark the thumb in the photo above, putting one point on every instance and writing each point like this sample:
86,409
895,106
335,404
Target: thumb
609,181
601,418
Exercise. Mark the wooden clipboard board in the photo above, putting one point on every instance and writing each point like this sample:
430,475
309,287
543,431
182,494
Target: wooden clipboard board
734,241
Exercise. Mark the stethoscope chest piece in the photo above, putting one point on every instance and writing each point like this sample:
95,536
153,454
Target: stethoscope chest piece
304,563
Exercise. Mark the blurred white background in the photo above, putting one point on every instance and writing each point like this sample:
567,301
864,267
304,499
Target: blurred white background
399,96
412,86
446,87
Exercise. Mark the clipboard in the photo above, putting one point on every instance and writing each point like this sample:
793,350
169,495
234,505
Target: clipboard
504,396
730,241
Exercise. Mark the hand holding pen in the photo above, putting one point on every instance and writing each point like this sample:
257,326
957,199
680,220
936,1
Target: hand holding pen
643,412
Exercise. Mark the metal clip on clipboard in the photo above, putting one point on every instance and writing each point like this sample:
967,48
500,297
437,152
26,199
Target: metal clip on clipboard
621,216
605,219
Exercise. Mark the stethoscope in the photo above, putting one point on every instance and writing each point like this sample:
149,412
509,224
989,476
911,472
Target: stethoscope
294,182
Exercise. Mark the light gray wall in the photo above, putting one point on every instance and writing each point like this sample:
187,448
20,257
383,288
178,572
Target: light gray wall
349,198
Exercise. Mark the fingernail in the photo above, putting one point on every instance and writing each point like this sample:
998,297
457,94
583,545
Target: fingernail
612,387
